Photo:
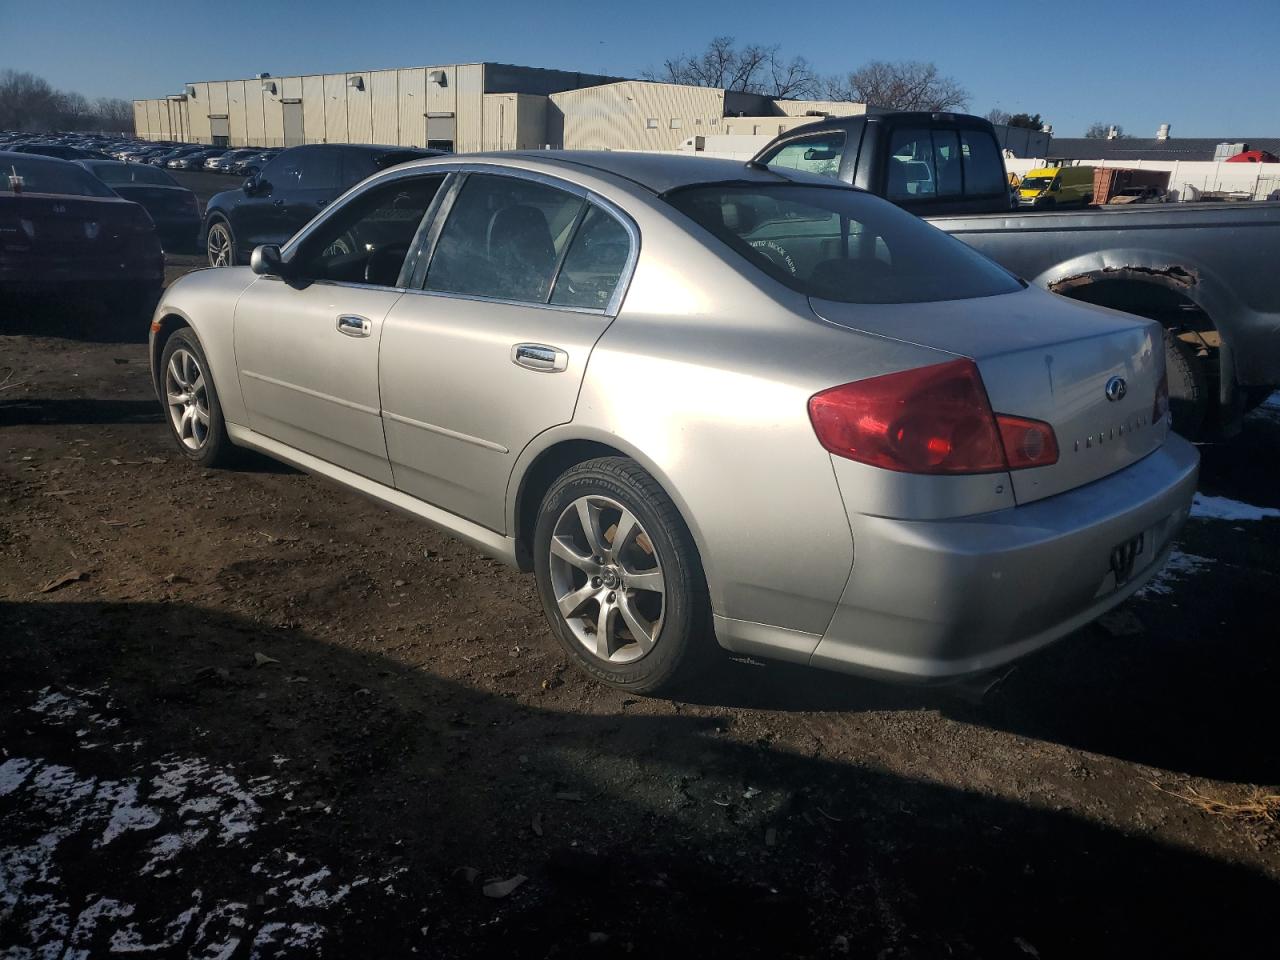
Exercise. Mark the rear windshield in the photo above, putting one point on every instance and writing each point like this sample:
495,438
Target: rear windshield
132,173
51,176
841,244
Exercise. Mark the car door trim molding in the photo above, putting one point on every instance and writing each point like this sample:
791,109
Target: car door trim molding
446,432
349,404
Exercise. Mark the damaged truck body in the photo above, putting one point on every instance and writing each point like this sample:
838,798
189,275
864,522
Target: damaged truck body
1206,271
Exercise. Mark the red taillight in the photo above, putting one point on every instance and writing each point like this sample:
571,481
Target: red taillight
1027,443
1161,406
934,420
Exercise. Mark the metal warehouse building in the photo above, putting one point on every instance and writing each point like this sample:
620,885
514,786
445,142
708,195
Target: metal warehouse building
466,108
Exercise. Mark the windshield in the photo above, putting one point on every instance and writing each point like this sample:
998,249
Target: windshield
1038,184
132,173
841,244
51,176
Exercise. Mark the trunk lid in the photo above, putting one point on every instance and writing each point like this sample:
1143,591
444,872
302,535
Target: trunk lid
60,225
1048,359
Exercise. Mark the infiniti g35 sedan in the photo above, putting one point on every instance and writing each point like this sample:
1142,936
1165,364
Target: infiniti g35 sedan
705,404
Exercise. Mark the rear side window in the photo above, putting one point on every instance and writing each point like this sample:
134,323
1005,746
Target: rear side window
594,264
504,239
817,154
841,244
983,164
930,163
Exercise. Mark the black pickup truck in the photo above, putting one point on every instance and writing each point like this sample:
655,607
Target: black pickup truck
1209,272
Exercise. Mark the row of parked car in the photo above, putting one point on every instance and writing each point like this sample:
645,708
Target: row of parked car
244,161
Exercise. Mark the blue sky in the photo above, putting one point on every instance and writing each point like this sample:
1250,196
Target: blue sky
1208,70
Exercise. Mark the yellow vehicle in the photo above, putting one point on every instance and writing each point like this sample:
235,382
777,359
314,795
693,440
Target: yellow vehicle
1057,187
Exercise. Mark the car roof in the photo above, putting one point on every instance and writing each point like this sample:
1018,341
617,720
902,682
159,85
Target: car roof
658,172
9,156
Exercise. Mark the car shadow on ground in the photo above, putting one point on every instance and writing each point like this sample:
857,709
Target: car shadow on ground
66,410
182,775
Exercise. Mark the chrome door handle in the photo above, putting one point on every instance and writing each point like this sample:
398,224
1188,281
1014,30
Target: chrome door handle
354,326
540,357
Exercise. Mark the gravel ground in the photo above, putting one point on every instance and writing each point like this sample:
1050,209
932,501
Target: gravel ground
246,714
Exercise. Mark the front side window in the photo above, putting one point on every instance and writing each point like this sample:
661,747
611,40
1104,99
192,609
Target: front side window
503,239
367,238
840,244
819,154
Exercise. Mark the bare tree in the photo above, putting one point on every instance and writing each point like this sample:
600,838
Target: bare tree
998,117
750,69
28,103
1101,131
901,85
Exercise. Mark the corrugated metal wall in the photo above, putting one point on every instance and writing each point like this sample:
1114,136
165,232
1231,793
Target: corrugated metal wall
236,113
383,91
470,107
255,117
335,108
359,108
313,125
531,121
411,122
637,115
198,112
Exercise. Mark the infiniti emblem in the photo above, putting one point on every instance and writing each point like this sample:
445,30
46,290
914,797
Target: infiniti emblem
1116,388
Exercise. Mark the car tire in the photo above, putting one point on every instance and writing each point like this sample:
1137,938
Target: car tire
1188,387
648,591
191,406
220,243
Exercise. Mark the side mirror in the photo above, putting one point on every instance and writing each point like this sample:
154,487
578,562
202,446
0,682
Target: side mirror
266,261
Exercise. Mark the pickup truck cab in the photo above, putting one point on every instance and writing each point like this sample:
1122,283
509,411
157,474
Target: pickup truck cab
1056,187
1205,271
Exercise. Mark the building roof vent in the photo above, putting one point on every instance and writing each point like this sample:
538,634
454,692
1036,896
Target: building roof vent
1163,132
355,83
1112,132
438,77
269,86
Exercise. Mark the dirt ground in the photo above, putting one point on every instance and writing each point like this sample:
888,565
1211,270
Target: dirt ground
245,714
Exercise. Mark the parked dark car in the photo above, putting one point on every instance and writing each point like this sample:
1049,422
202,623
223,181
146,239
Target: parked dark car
249,165
225,162
292,188
63,231
60,151
172,207
162,159
195,161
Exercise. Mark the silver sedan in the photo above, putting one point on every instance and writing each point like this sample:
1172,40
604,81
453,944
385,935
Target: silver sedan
705,404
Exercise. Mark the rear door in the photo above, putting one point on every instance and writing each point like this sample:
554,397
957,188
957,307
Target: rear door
525,274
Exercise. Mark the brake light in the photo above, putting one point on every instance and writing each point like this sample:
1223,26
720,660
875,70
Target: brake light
931,420
1161,405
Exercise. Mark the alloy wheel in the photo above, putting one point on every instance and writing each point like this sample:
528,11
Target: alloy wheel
187,397
607,579
219,246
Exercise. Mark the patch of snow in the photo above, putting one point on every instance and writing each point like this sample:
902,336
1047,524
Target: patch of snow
1178,567
13,773
1222,508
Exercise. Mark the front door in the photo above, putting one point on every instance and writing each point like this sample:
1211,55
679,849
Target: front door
523,280
307,349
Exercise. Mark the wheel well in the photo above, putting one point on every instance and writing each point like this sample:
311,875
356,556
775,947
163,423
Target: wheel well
537,480
169,324
1173,310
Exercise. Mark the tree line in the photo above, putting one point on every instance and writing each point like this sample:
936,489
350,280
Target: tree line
30,104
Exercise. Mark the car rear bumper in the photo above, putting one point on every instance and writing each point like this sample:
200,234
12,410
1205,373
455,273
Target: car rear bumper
941,600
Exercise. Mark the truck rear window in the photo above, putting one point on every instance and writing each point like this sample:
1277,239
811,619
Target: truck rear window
837,243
